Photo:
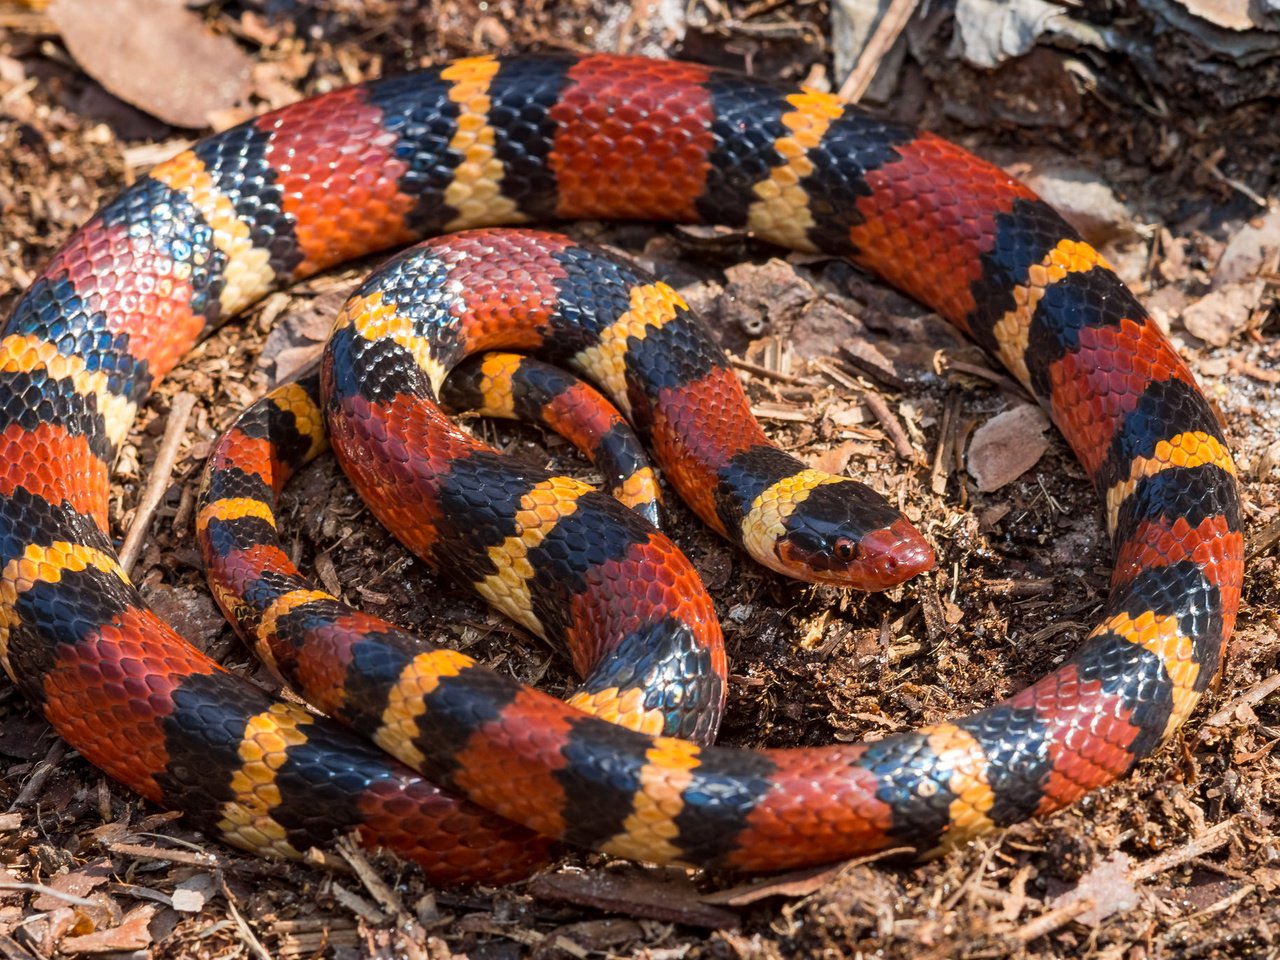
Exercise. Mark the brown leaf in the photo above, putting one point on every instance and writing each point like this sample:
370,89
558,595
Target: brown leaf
1084,200
77,883
130,934
797,883
1222,315
1248,250
156,55
1107,887
675,901
1007,446
837,458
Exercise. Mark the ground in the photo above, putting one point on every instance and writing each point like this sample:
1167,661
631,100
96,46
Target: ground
1184,854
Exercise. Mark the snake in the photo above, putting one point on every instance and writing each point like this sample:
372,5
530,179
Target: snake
486,142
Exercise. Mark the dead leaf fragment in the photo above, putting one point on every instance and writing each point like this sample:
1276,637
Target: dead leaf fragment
1221,315
989,32
1228,14
130,934
76,883
758,294
1248,250
155,55
674,900
188,901
1107,887
1085,201
797,883
1007,446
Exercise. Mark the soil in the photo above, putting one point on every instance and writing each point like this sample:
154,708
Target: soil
1183,855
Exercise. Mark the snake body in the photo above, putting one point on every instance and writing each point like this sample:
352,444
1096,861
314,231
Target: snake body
489,141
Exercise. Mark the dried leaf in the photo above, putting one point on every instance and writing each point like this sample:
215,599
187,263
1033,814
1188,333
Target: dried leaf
1248,250
77,883
1108,887
797,883
989,32
1007,446
130,934
156,55
672,901
1084,200
1221,315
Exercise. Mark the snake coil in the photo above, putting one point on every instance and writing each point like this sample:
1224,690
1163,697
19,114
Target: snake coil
490,141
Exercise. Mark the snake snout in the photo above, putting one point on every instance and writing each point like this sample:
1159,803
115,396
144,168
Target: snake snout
890,556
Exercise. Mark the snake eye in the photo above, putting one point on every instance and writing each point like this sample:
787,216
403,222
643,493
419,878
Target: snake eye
845,549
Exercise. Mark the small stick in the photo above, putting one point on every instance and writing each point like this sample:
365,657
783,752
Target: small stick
1019,588
1226,903
386,897
942,455
1048,922
1007,384
771,374
867,367
165,854
901,442
166,457
43,770
1255,694
47,891
834,370
878,46
247,936
1263,540
1216,836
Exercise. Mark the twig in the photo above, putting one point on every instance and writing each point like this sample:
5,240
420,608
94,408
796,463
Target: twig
246,933
869,366
1216,836
757,369
1263,540
1255,694
1226,903
1211,165
974,876
410,929
31,789
1007,384
878,46
1018,588
765,411
942,455
206,860
357,904
901,442
158,482
833,370
43,890
1048,922
368,877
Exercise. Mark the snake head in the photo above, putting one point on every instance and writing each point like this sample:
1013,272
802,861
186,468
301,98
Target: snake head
845,534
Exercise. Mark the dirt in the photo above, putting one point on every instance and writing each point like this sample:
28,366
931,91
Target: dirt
1184,855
